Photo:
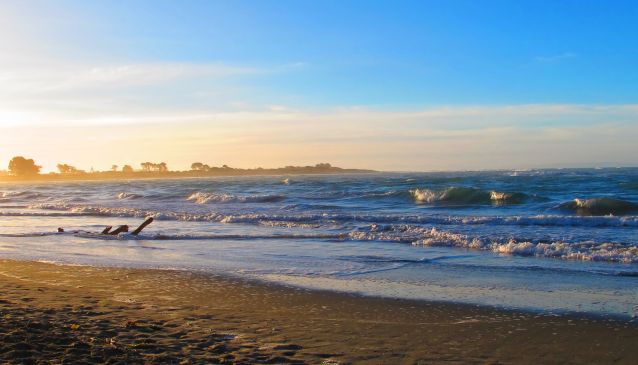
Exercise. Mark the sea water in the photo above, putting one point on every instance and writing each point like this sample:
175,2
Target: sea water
559,240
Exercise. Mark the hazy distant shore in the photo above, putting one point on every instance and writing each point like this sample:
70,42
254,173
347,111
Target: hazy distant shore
214,172
153,316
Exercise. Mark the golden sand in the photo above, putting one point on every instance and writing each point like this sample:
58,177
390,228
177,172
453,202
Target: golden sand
65,314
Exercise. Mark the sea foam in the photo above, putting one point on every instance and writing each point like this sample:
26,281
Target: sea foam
204,198
431,236
464,195
320,218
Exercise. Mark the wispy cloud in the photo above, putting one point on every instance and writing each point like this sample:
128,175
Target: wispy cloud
43,77
59,91
446,138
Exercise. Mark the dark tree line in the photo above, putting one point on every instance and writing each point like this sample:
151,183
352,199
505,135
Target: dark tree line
22,167
198,166
68,169
155,167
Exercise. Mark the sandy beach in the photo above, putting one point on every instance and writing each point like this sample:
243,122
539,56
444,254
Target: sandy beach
78,314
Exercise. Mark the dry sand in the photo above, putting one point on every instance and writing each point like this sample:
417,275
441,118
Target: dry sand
55,314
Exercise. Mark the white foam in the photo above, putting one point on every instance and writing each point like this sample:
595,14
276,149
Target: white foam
322,218
499,196
425,195
586,250
463,195
204,198
422,236
125,196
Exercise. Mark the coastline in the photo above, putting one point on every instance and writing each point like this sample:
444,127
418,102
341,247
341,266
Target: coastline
177,175
162,316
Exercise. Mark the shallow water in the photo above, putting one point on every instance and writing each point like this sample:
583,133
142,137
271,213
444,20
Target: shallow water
549,240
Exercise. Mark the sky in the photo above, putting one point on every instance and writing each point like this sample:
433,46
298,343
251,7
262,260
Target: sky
388,85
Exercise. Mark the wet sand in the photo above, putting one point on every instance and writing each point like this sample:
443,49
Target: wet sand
55,314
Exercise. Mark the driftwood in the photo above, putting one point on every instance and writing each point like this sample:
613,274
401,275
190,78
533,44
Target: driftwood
142,226
120,229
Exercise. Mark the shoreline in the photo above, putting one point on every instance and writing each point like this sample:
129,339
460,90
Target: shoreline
172,175
628,319
226,319
576,315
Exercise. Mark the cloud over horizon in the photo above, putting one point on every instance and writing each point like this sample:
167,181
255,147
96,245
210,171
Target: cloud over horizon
448,138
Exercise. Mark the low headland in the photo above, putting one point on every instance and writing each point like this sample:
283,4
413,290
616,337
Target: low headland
23,169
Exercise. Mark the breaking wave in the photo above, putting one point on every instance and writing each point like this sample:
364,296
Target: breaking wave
204,198
599,206
422,236
127,196
19,195
332,218
584,250
462,195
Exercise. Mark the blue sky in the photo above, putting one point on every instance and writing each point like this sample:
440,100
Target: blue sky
206,64
384,52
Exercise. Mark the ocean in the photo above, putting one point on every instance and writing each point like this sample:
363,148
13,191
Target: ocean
553,241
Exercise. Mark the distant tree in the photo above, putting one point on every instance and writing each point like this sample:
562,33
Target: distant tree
225,167
127,169
67,169
20,166
156,167
114,168
197,166
323,165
